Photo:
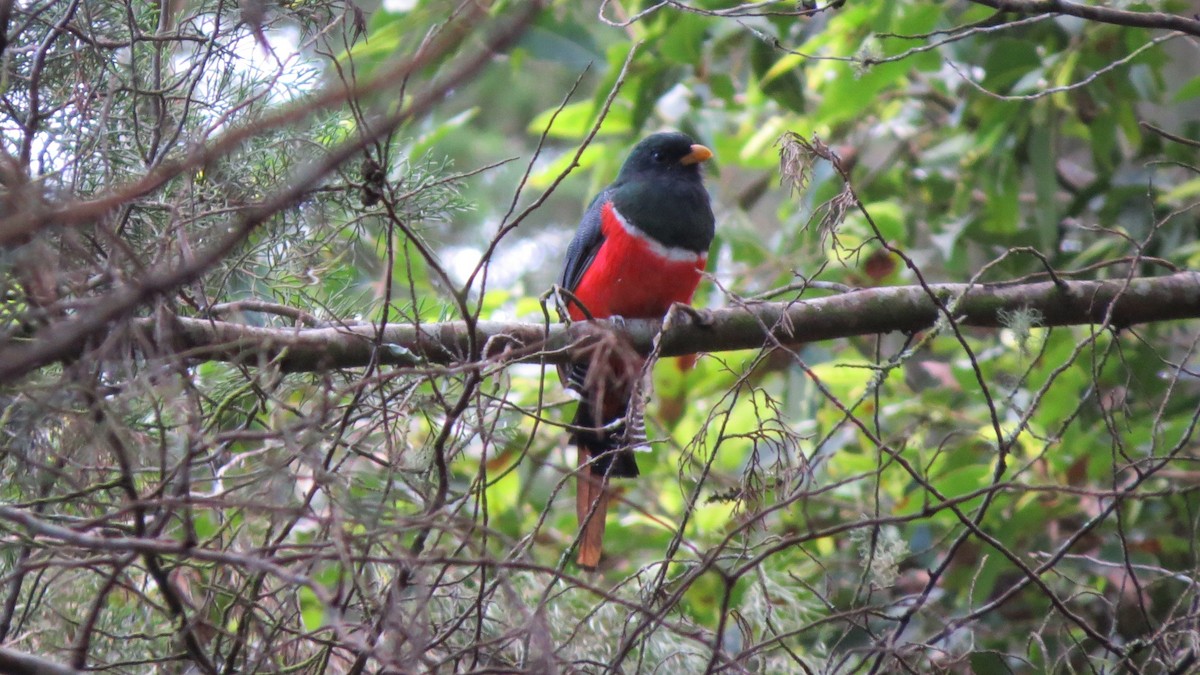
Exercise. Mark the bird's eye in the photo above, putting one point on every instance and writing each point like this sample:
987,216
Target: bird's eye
658,156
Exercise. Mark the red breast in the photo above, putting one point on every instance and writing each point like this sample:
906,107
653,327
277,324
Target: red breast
633,275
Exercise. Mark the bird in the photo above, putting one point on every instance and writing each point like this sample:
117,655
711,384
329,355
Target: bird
641,247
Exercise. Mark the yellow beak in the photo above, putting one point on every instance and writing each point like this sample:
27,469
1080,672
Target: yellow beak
698,154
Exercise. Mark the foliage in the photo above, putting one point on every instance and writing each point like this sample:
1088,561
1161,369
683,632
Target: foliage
959,499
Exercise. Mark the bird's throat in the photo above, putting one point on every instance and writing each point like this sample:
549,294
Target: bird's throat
643,238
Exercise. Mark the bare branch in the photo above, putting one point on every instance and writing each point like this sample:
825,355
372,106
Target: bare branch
18,663
70,337
1119,17
865,312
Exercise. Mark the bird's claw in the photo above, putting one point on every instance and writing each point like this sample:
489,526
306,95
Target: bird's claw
699,317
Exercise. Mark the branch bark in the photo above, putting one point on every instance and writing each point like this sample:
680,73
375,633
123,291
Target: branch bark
1112,15
20,663
1117,303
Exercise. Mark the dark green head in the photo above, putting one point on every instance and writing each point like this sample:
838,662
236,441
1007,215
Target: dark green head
664,154
660,191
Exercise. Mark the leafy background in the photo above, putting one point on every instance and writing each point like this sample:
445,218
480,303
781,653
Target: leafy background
958,500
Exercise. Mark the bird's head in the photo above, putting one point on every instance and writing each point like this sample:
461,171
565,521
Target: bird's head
664,154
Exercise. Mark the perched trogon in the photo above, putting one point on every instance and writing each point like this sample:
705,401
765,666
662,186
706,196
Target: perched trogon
641,247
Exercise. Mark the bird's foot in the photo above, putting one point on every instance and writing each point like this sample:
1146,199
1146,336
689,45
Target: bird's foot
563,299
698,317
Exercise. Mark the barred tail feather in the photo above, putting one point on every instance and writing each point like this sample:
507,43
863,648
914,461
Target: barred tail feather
608,453
609,450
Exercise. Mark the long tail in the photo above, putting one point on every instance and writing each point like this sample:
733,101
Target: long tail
591,505
608,454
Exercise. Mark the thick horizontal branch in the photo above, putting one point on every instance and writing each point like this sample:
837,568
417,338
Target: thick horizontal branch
20,663
865,312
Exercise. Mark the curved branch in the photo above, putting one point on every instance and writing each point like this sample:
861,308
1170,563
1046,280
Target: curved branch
863,312
1119,17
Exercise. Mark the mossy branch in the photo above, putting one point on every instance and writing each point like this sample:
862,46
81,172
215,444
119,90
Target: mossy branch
1115,303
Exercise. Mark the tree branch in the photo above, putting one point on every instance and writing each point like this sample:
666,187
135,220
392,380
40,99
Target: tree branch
20,663
863,312
1119,17
68,338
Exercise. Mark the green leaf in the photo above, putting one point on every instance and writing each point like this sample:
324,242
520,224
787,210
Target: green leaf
914,20
205,525
1184,192
566,43
721,86
1002,213
647,89
1045,185
965,480
575,120
543,178
844,380
889,217
683,38
779,78
1009,60
786,64
423,144
848,95
989,663
504,494
1188,91
312,610
1032,81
